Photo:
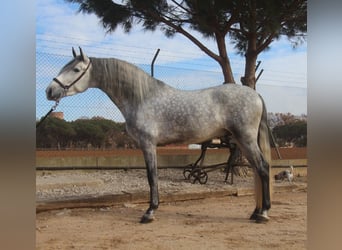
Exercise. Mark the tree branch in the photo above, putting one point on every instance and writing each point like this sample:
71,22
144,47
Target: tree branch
182,7
267,42
180,30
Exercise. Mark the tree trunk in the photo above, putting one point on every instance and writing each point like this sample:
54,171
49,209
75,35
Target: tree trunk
227,71
251,53
223,59
249,78
251,57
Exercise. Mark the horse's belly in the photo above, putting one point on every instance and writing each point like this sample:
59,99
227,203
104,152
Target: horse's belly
190,135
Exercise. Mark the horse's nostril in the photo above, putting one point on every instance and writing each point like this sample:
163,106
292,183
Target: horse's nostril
49,93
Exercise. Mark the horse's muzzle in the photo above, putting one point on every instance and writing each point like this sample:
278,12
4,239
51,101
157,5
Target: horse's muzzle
53,94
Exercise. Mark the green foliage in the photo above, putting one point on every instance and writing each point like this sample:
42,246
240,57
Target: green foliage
55,133
82,133
89,132
266,21
264,18
294,133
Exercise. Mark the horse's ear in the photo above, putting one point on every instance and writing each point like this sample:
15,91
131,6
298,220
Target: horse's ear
82,55
73,52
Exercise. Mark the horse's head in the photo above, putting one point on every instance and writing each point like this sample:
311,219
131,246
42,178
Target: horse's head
72,79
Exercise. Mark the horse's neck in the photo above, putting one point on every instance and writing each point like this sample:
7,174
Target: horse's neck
124,83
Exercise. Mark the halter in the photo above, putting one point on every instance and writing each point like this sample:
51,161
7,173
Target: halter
66,87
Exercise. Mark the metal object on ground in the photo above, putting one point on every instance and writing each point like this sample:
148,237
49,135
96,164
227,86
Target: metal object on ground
196,172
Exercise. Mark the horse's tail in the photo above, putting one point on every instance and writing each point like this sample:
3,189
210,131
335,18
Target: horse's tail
264,144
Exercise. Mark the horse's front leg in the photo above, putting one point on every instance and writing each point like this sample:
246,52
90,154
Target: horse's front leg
150,156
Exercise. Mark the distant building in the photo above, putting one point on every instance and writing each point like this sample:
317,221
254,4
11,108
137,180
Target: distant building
59,115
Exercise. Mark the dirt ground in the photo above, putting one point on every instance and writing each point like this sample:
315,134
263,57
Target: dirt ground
212,223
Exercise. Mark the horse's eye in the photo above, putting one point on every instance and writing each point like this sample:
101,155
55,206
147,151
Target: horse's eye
76,70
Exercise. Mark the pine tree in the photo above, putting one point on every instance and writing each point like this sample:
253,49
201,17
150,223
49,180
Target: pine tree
251,25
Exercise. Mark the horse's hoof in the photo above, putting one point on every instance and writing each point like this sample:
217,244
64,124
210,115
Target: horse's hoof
261,218
254,216
147,218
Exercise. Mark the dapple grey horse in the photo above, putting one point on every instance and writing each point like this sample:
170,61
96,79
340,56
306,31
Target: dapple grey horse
158,114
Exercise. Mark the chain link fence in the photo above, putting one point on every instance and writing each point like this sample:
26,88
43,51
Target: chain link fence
95,103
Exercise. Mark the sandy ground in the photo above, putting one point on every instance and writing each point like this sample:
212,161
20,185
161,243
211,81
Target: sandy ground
213,223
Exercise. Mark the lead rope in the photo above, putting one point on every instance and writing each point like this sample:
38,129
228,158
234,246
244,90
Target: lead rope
48,113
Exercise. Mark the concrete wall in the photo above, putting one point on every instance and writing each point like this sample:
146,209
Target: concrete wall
164,160
137,160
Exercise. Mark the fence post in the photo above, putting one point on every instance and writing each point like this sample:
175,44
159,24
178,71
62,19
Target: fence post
153,60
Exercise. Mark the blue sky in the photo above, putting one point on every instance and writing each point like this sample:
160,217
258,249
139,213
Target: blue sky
59,26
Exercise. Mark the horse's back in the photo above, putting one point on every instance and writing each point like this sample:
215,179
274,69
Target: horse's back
237,100
233,94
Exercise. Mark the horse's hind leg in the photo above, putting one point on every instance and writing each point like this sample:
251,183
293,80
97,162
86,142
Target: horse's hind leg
262,187
263,203
150,156
258,195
